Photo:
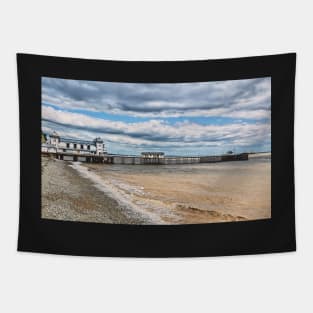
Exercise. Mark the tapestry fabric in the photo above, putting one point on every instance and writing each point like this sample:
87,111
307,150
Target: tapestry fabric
156,159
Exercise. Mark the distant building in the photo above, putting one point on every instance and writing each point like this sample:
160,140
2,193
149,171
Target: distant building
56,144
152,155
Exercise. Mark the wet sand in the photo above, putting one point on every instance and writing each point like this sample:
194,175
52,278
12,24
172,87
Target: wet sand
193,193
169,194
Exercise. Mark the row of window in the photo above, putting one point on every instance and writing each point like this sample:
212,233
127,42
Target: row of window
75,146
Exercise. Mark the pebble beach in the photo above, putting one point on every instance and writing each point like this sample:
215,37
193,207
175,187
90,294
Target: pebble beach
68,196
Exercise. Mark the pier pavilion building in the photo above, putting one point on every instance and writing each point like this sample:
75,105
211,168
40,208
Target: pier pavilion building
56,144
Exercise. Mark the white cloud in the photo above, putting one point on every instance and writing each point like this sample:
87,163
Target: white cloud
155,133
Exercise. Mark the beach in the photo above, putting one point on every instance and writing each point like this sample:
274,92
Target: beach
68,196
161,194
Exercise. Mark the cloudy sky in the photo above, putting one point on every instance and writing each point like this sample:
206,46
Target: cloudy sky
178,119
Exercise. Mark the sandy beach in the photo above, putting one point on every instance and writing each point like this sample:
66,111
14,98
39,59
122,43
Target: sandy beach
169,194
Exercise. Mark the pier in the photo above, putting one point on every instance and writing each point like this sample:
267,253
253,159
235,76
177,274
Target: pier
74,157
94,151
145,158
158,158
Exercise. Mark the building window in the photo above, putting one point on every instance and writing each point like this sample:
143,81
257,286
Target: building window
67,145
82,146
75,145
88,147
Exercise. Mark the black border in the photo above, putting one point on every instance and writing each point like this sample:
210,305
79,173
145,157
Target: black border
77,238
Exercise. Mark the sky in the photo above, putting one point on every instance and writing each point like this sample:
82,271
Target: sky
205,118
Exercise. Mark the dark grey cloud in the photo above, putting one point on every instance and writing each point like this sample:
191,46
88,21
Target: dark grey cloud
209,98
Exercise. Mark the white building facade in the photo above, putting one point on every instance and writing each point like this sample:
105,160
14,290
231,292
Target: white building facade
57,144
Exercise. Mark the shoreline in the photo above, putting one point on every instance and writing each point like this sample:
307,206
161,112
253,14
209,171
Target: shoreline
195,193
68,196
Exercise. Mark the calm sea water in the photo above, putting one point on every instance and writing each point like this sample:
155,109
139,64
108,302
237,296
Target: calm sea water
242,167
